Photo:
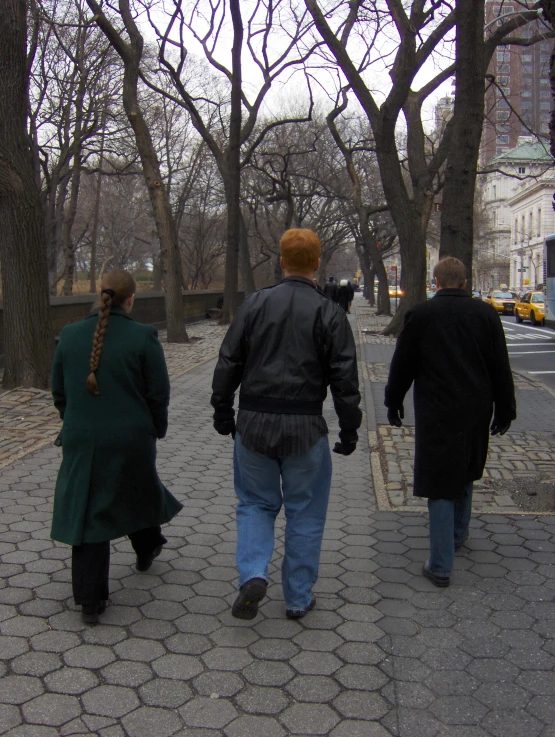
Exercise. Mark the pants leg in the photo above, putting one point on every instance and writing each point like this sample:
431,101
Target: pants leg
442,535
463,510
306,489
257,485
90,568
145,541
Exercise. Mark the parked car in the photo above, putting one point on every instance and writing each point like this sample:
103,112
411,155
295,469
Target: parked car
503,302
477,294
430,293
531,306
399,293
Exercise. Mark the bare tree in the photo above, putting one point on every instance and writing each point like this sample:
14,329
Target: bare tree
131,53
211,24
28,340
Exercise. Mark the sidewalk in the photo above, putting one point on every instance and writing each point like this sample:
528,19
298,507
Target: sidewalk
384,653
520,472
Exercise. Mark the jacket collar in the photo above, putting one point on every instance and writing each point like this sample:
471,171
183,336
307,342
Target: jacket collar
452,293
114,311
300,280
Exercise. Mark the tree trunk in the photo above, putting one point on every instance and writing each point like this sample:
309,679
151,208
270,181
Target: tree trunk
233,166
69,219
96,210
457,219
131,55
246,267
28,340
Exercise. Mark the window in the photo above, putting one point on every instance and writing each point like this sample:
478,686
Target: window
526,105
504,56
503,80
515,236
527,70
545,116
502,139
526,58
494,191
545,105
539,223
494,219
522,229
522,170
502,103
502,115
545,94
503,127
544,82
526,93
505,69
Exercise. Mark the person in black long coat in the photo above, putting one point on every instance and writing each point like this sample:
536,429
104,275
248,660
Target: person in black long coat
453,348
344,295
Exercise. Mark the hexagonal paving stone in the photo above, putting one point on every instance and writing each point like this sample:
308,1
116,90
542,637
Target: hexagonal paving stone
227,658
315,719
89,656
148,721
182,667
127,673
110,701
51,709
211,713
71,680
268,674
251,726
139,649
361,705
165,693
314,689
19,689
365,678
221,684
262,700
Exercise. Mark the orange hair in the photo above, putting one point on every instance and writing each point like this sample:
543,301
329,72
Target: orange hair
300,250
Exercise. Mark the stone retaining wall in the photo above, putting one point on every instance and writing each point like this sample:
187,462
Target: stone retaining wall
149,308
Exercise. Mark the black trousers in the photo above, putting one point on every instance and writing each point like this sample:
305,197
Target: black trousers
90,564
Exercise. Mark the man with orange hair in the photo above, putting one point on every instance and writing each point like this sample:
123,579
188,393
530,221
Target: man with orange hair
286,345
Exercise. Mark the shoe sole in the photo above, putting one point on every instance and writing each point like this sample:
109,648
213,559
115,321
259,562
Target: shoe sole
290,614
246,604
440,583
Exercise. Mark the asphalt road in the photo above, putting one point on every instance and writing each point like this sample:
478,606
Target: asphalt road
531,350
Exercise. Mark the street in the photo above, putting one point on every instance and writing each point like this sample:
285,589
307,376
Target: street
532,350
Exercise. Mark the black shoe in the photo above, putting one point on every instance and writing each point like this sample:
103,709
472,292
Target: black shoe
459,545
250,596
441,581
145,561
299,613
90,612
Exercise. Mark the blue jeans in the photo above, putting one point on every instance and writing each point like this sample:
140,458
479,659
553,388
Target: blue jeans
449,519
305,489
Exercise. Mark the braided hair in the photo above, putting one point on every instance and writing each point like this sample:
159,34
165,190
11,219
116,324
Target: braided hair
117,286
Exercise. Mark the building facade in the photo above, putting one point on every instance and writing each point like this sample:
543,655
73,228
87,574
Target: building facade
533,219
518,101
507,177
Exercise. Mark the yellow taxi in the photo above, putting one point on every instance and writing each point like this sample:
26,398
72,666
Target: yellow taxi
531,306
396,293
503,301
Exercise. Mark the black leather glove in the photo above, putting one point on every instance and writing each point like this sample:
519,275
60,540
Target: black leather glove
499,427
225,427
348,442
395,416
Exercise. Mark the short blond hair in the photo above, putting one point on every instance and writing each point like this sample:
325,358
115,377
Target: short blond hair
300,250
450,273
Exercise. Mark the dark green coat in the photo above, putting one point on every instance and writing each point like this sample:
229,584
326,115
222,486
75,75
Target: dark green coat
107,485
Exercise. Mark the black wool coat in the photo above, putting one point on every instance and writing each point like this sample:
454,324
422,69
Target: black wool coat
453,348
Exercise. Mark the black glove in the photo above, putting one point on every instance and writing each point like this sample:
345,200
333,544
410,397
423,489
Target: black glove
498,427
394,416
225,427
348,442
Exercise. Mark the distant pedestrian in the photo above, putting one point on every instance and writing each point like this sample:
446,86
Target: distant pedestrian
453,348
330,289
286,344
344,295
107,485
351,294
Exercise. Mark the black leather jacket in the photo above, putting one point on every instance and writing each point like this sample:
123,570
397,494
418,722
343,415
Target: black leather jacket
285,346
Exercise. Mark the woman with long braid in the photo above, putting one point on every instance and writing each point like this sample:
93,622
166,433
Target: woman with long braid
114,405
